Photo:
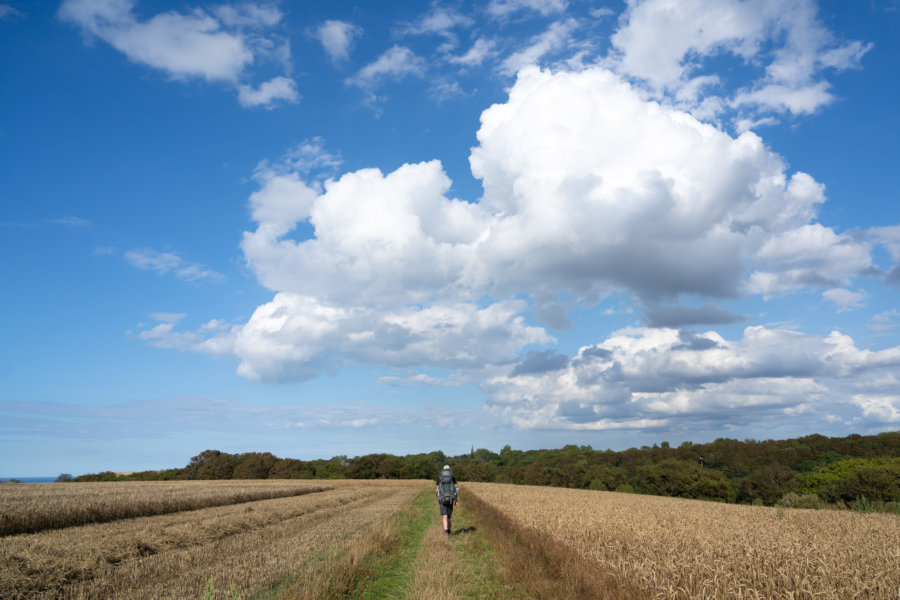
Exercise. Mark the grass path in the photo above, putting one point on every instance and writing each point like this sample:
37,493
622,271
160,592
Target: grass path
409,557
461,566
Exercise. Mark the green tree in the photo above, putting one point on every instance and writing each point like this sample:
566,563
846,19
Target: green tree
874,482
769,484
675,478
212,464
254,465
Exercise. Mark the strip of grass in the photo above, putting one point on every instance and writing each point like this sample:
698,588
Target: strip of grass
481,569
391,561
392,574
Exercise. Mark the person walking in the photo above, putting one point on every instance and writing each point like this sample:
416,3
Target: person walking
447,492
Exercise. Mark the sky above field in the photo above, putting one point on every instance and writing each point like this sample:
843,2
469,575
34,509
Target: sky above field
337,228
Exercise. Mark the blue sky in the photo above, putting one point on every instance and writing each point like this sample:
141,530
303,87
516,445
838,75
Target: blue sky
335,228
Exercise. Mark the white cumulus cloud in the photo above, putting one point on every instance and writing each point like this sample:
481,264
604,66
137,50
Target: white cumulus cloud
269,92
667,44
589,188
667,376
297,337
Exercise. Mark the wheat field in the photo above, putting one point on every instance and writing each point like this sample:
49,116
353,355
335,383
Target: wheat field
667,548
634,546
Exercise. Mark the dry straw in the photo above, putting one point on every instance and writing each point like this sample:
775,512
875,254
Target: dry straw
249,545
37,507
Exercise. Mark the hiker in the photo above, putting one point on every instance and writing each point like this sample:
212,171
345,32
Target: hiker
446,492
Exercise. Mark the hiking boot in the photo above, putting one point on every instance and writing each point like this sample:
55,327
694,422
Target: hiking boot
447,531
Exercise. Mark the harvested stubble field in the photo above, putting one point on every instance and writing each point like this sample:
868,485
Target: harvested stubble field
250,544
665,548
37,507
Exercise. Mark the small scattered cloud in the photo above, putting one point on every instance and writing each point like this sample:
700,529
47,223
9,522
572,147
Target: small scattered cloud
416,379
443,90
885,322
845,299
557,37
269,93
73,222
168,317
396,63
337,39
438,20
309,156
213,46
482,49
505,8
809,256
164,263
248,15
10,13
602,13
884,409
889,239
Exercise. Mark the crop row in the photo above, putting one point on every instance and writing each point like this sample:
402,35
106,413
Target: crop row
250,545
38,507
687,549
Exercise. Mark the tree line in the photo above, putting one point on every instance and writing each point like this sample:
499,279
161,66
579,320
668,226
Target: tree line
806,472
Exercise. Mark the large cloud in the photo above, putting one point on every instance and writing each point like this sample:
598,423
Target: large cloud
593,187
663,376
588,189
296,337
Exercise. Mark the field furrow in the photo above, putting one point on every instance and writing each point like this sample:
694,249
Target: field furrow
38,507
173,556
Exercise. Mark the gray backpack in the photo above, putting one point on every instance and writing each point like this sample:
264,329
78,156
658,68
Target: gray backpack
446,489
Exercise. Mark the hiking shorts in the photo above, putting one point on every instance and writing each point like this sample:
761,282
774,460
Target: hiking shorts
446,511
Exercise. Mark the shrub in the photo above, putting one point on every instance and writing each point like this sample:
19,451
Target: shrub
869,479
837,474
794,500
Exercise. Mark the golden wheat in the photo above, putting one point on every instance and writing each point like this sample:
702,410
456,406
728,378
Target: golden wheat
686,549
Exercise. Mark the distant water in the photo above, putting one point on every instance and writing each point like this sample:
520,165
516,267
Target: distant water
29,479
